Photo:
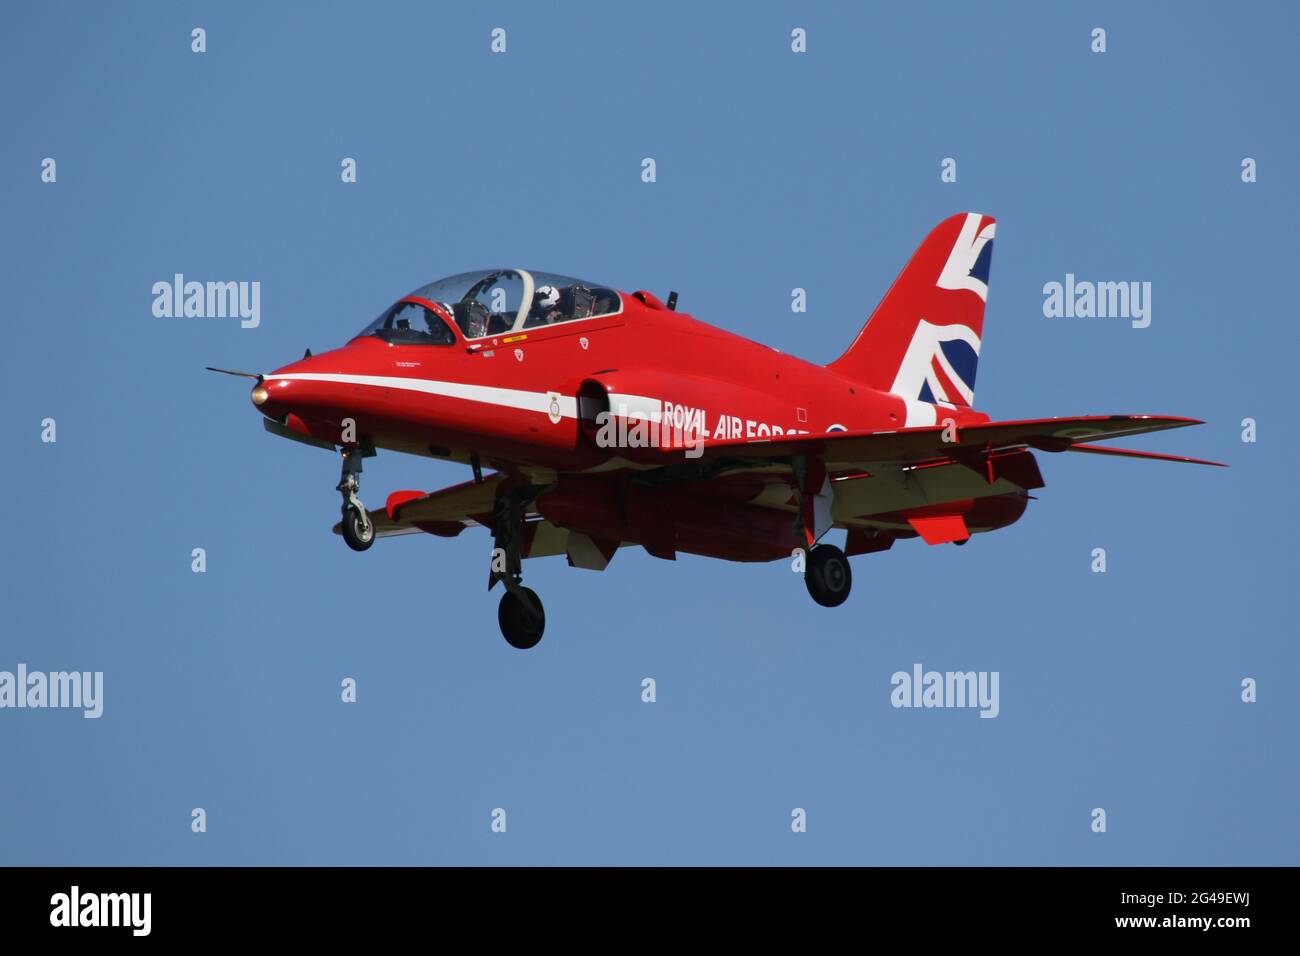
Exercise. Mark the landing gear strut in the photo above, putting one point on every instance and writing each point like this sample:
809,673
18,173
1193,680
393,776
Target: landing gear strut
358,529
828,576
520,613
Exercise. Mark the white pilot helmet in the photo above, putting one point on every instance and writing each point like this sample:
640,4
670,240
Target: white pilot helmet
547,297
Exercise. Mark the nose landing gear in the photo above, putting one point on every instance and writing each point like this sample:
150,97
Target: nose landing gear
520,613
358,529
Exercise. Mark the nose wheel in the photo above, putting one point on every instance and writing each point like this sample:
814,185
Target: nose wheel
358,529
828,576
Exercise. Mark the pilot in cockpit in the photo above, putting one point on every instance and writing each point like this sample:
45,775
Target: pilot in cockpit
546,307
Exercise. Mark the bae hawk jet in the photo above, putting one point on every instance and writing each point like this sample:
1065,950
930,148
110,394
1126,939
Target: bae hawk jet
593,419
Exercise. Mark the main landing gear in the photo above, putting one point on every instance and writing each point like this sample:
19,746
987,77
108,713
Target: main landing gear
358,529
520,613
828,576
522,617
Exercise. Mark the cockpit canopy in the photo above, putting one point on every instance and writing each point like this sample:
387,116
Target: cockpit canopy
492,302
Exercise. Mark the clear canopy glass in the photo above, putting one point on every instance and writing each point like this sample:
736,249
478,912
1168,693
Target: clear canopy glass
411,323
494,302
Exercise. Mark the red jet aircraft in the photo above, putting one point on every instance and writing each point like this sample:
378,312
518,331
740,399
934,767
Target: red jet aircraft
610,419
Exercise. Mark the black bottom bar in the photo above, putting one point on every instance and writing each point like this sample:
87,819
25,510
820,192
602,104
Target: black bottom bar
236,904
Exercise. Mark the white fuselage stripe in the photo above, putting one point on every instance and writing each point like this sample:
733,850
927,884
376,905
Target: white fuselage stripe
487,394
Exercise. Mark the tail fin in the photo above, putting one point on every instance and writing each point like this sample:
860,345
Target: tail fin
923,341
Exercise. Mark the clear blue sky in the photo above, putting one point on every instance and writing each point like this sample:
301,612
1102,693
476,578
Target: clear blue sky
775,170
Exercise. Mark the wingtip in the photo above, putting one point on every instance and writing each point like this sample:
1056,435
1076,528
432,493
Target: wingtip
1179,420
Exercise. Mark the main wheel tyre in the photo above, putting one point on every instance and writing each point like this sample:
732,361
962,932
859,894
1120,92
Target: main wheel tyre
358,529
521,627
828,575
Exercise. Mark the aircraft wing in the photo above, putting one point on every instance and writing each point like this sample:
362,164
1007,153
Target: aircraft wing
450,511
469,501
841,450
756,472
447,512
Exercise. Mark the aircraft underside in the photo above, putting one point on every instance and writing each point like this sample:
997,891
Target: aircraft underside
730,511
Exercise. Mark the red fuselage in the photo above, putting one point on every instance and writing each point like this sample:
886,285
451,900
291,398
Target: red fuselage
497,397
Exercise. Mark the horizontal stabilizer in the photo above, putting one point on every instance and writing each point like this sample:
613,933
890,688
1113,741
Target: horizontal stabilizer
1129,453
911,446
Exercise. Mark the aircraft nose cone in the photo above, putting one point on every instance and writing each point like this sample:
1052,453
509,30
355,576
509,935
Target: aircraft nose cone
273,397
